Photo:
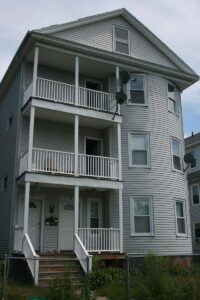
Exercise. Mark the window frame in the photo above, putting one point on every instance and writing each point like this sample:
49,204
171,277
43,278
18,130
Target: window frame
181,155
144,89
183,202
132,215
176,99
130,134
193,152
115,40
195,184
194,233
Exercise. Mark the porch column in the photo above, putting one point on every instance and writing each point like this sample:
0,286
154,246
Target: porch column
76,144
119,145
30,139
76,208
117,85
26,206
121,220
76,79
35,70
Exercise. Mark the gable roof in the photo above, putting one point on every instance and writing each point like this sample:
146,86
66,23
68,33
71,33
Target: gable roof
134,22
192,140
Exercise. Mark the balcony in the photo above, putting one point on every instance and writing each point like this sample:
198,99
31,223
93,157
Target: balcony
60,92
57,162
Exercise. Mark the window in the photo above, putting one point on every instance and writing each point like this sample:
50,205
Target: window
193,163
197,232
139,149
180,217
4,183
9,123
195,194
172,99
121,40
141,215
176,153
137,90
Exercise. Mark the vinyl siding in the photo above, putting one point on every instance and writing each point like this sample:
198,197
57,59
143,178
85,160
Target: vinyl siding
158,181
8,107
100,35
59,136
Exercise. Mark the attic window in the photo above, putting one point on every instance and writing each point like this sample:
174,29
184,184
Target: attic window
121,40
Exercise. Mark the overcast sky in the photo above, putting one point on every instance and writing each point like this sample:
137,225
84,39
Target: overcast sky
175,22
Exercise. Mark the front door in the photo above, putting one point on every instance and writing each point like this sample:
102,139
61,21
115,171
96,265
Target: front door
66,230
34,224
93,148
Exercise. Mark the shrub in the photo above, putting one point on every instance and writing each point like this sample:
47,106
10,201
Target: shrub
62,289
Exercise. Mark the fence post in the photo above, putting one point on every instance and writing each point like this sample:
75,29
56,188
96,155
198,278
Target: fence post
87,290
4,276
127,278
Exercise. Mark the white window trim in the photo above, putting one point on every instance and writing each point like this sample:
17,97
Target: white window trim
184,212
181,155
194,235
115,40
195,184
130,133
176,94
89,201
132,221
146,103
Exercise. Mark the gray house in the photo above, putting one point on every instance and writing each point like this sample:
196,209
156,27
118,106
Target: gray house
74,177
192,145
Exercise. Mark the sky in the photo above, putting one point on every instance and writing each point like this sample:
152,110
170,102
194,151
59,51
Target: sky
175,22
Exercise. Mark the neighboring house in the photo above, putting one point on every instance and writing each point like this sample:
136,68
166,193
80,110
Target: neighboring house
72,176
192,145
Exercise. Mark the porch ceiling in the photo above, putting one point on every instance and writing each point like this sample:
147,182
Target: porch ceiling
66,61
62,117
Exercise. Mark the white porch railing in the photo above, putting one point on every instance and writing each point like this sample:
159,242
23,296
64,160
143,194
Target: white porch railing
100,239
55,91
96,99
98,166
52,161
18,242
83,256
32,257
65,93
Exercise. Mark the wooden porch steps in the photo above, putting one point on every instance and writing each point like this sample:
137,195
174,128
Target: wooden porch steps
54,265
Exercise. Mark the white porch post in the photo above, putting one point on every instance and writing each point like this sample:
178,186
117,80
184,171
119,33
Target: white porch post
30,140
26,206
119,149
76,139
117,85
121,220
35,70
76,208
76,79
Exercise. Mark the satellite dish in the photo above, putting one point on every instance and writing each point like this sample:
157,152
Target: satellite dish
121,97
188,158
125,77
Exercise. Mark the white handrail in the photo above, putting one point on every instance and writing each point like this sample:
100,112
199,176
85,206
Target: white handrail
83,256
45,160
98,166
55,91
100,239
31,257
96,99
